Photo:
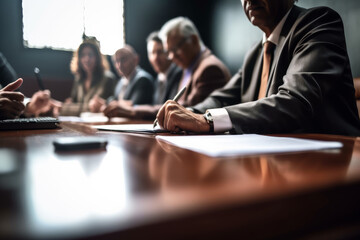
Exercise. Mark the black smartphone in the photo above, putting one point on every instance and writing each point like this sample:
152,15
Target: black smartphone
79,143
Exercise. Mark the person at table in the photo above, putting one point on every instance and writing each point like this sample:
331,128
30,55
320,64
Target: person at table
7,72
203,72
306,88
166,84
135,87
39,103
11,102
92,78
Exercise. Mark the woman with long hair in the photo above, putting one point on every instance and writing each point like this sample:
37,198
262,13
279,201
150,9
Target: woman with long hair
92,78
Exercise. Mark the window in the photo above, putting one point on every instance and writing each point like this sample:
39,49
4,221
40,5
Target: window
60,24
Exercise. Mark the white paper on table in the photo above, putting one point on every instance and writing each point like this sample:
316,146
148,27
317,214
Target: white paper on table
85,117
88,117
133,128
246,144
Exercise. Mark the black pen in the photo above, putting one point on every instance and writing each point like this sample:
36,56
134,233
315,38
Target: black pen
176,98
38,78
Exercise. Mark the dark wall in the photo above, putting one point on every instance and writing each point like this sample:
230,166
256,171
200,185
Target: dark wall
221,23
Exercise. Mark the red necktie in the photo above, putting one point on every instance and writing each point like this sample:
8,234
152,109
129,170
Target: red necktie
268,50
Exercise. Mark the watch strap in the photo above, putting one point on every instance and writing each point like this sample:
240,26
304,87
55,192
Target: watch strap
209,120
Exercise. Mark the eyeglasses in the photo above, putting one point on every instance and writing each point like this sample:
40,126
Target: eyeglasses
171,52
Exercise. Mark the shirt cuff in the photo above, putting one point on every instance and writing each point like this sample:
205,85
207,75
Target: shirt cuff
221,118
26,100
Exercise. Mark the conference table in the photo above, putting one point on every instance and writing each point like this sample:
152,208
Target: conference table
139,187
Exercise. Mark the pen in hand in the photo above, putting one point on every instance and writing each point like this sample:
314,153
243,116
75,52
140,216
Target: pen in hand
176,98
38,78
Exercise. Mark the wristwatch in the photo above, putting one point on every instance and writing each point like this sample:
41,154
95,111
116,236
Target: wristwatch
209,119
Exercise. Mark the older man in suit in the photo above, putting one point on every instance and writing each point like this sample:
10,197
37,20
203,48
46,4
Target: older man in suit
301,83
203,72
136,86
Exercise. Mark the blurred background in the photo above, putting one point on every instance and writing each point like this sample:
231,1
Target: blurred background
221,23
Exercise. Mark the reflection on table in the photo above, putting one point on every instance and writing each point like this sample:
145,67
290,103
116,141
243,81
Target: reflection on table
139,187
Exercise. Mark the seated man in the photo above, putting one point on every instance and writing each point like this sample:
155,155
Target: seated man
203,72
135,87
166,85
306,88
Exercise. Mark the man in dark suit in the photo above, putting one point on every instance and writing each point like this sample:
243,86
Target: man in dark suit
136,86
7,72
203,72
169,74
166,84
139,83
308,87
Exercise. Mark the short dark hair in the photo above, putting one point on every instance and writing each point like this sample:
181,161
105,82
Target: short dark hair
153,36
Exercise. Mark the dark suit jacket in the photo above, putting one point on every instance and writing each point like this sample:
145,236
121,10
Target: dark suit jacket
310,86
7,73
171,85
140,89
208,74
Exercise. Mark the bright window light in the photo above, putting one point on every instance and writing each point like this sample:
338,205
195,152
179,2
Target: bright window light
60,24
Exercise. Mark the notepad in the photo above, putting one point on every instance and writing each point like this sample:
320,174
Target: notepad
246,144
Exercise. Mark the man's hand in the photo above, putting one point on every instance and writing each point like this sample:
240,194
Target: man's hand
115,109
41,103
11,103
97,104
175,118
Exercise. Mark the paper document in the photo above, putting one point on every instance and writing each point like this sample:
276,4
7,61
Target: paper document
87,117
246,144
133,128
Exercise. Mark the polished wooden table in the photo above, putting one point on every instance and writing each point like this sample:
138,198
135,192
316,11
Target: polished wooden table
139,188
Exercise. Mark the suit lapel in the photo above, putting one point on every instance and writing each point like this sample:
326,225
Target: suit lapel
131,84
188,89
195,67
251,91
128,89
169,81
274,64
295,11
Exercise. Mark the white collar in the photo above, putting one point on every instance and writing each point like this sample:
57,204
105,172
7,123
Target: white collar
163,76
275,35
